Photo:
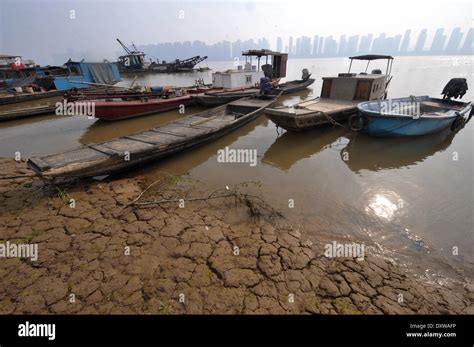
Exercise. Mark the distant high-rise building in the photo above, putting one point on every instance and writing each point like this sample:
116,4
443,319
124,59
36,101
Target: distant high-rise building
321,46
454,41
467,47
438,41
365,44
305,47
330,47
396,44
279,44
298,47
314,52
352,43
405,42
379,44
420,42
290,46
341,51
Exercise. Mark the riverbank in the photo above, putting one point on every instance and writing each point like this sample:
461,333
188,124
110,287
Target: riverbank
231,254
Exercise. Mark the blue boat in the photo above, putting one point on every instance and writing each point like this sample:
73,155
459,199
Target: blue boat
410,116
83,75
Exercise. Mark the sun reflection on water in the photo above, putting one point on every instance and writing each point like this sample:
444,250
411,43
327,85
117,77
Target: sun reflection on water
382,207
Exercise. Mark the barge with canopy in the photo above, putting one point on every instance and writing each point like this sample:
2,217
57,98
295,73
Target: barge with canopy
339,97
244,81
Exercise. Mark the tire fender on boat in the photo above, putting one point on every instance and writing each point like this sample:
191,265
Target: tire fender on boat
458,123
357,122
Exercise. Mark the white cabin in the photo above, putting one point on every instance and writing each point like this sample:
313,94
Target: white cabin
249,75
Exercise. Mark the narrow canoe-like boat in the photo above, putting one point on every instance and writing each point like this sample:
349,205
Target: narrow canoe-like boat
111,110
7,98
131,94
121,153
410,116
217,98
26,112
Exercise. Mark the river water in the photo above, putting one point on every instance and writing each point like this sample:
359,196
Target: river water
413,198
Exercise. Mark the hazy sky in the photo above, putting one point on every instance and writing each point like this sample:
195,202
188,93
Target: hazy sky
40,28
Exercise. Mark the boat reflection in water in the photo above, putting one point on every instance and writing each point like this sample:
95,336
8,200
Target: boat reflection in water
292,147
374,154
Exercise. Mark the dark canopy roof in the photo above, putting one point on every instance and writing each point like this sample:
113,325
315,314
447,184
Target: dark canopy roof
260,52
371,57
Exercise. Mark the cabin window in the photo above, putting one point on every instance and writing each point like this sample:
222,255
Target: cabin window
248,78
75,70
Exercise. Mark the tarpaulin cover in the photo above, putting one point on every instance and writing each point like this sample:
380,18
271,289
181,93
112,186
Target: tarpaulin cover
102,73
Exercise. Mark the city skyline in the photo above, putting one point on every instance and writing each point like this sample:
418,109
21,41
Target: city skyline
456,42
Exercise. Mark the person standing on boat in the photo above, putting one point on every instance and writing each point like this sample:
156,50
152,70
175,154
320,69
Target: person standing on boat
266,85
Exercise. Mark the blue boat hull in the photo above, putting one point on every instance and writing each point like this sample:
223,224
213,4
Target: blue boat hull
410,116
402,126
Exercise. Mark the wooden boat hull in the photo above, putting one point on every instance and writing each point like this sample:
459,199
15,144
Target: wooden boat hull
14,98
212,99
311,114
111,156
295,86
26,112
434,116
117,110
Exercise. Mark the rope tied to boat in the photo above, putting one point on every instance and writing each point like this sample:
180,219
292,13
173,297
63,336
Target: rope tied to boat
332,120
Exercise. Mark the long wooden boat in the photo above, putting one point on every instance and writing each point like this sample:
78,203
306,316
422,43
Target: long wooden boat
223,97
128,151
131,94
26,112
111,110
410,116
8,98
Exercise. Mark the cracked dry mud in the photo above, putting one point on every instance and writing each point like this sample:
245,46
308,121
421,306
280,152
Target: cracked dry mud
184,254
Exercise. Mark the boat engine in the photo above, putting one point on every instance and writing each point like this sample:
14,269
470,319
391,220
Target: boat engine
456,88
305,75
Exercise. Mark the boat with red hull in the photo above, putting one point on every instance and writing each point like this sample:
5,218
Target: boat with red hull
111,110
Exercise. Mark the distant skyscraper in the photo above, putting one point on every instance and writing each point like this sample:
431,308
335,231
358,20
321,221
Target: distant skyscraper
438,41
290,46
298,47
352,43
314,52
468,42
396,44
420,42
305,47
379,45
330,47
405,42
454,41
365,44
279,44
341,51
